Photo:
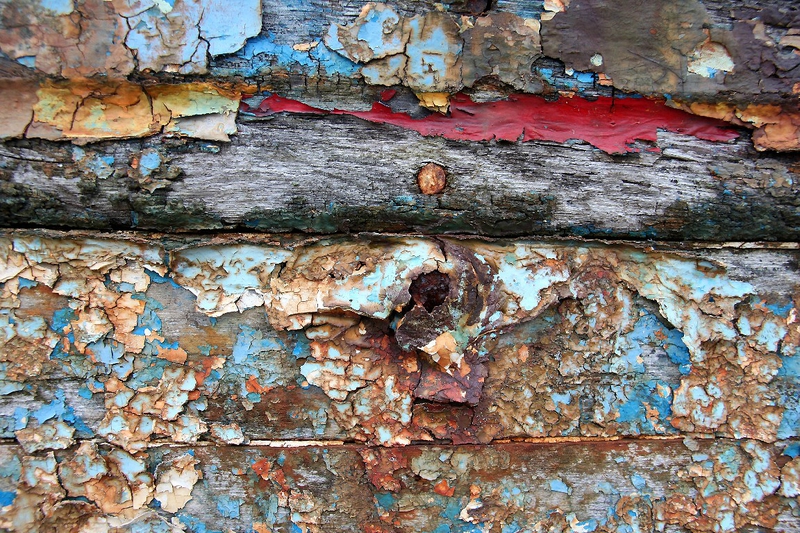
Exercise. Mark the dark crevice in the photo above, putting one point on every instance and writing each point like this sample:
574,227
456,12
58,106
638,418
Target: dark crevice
430,290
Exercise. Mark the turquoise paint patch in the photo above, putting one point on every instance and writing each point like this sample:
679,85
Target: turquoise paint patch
128,465
333,63
251,341
58,7
790,366
560,399
28,61
107,351
386,500
792,450
155,277
282,55
557,485
31,328
25,283
604,487
151,371
149,162
372,32
228,506
21,416
148,320
82,430
781,310
54,409
638,482
11,469
302,347
634,410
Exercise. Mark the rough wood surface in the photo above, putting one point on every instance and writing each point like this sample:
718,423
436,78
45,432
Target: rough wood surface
313,174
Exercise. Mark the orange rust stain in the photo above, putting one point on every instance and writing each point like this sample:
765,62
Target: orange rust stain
252,385
262,467
173,355
444,489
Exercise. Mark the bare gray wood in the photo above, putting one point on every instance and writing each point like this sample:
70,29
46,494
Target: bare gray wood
339,174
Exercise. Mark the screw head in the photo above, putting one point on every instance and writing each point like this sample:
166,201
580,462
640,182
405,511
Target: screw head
431,179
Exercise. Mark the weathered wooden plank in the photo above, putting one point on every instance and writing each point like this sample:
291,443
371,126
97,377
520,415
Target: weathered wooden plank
694,485
309,173
391,340
736,63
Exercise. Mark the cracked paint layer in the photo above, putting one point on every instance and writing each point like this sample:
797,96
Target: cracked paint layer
90,111
92,37
696,485
665,49
387,340
176,479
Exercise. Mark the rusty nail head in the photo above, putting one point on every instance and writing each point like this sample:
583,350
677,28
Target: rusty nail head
431,179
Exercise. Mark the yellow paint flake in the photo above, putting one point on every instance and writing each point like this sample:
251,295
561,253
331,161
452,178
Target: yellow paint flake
439,102
91,110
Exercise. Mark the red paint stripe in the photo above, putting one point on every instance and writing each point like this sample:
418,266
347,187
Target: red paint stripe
609,124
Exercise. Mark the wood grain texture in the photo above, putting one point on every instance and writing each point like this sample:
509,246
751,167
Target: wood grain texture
316,174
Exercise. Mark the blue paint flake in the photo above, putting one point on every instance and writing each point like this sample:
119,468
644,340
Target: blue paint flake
54,409
638,482
386,500
7,498
25,283
106,351
11,469
228,507
792,450
557,485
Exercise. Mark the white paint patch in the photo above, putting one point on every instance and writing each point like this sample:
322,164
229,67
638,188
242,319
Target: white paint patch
710,58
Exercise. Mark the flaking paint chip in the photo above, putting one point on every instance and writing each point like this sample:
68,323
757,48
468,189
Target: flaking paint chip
174,487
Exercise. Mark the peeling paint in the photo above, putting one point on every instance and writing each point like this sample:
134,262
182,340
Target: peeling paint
610,125
775,128
379,334
175,481
91,37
